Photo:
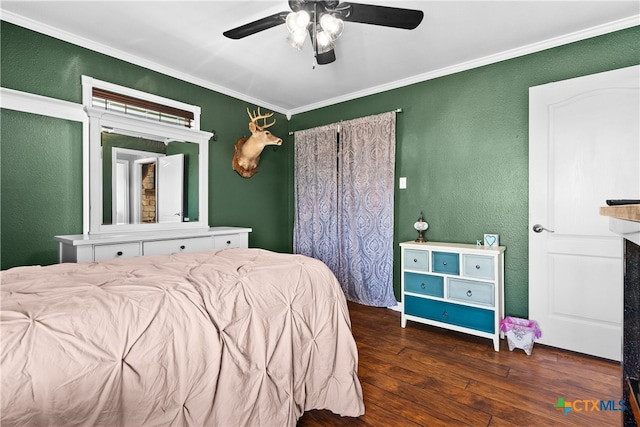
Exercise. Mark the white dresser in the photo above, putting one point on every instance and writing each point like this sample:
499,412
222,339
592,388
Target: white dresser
82,248
454,286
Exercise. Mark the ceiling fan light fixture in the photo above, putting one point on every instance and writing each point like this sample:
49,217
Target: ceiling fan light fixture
298,21
324,21
331,25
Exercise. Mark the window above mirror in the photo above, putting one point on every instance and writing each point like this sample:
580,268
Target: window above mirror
147,162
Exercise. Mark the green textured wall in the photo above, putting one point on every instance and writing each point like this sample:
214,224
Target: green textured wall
462,143
32,62
37,195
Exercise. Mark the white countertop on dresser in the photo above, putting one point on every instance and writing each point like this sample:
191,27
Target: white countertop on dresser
92,239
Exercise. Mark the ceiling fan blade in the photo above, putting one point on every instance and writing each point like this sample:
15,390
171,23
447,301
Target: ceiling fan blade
326,57
256,26
381,15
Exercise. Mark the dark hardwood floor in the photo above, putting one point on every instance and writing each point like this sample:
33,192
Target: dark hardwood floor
426,376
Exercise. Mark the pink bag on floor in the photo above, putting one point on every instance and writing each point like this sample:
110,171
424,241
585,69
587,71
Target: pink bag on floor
520,333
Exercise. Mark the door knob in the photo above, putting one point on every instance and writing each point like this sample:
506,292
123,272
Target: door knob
539,228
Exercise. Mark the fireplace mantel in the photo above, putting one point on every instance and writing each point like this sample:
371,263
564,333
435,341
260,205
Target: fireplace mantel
624,220
626,212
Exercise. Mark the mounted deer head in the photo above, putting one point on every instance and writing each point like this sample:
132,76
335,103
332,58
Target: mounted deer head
248,150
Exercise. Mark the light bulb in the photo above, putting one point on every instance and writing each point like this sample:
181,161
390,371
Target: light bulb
297,39
297,21
332,25
324,41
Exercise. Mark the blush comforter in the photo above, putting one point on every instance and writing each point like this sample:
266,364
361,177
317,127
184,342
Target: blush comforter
238,337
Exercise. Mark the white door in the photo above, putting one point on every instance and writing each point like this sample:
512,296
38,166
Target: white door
584,148
170,171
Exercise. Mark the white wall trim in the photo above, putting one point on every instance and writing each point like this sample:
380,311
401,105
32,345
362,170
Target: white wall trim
397,307
36,104
509,54
491,59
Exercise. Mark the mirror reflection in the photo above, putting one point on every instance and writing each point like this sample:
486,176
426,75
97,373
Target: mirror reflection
145,181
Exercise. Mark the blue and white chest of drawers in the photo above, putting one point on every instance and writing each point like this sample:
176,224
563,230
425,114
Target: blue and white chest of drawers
455,286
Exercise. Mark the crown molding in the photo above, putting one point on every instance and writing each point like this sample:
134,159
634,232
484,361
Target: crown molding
491,59
124,56
599,30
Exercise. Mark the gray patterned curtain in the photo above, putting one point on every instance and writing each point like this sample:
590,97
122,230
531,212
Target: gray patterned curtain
315,230
349,228
365,219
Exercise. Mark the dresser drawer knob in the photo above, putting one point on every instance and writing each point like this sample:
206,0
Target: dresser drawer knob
477,266
469,293
445,314
119,253
422,286
415,260
228,242
182,247
444,262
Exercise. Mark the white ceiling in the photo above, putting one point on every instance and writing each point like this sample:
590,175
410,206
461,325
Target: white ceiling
184,39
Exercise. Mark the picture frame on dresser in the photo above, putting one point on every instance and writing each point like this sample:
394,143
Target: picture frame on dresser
454,286
492,240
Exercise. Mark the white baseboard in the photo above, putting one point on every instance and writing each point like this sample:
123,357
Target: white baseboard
397,307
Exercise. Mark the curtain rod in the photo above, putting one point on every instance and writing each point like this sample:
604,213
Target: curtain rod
397,110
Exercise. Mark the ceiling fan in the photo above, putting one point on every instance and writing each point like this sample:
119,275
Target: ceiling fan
324,20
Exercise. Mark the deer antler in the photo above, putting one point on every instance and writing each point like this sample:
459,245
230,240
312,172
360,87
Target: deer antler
255,117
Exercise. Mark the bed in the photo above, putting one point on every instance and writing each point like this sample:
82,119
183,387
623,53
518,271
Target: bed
237,337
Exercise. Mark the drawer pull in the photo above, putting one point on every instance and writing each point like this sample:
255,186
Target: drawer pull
422,286
119,253
182,247
228,242
415,260
444,262
477,266
445,314
469,293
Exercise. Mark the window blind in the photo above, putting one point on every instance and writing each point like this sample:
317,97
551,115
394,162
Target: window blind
141,108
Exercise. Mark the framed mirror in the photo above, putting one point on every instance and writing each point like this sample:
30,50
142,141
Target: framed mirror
144,175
